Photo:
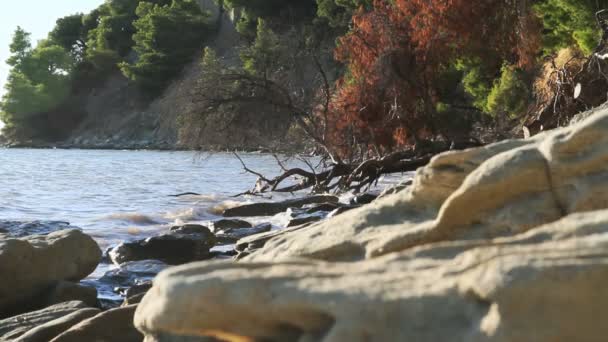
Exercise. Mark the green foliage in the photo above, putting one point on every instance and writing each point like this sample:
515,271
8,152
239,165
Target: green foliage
284,10
510,94
568,22
38,82
166,39
264,53
338,13
70,33
476,80
20,48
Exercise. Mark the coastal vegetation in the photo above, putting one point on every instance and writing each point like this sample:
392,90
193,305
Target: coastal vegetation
388,74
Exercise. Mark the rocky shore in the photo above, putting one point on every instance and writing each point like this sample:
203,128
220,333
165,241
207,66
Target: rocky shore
506,242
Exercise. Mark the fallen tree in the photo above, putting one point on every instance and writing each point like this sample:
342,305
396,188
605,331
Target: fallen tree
333,175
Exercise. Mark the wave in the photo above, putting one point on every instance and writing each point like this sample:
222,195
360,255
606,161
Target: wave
219,208
135,218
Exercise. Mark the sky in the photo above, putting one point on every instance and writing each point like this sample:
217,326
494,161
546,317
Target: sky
37,17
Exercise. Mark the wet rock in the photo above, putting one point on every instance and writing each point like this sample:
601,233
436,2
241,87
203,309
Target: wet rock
173,248
273,208
13,327
235,234
191,229
298,221
342,210
114,285
49,330
230,224
328,207
135,293
36,263
365,198
22,229
114,325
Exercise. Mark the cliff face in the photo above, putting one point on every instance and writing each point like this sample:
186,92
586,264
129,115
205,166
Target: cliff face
117,116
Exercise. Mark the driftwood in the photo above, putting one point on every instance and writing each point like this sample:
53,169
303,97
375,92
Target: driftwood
338,176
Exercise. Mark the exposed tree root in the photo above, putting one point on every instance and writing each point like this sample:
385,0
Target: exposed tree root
340,176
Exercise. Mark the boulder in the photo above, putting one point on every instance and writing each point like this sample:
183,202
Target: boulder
36,263
191,229
174,248
273,208
49,330
13,327
365,198
505,289
114,325
230,224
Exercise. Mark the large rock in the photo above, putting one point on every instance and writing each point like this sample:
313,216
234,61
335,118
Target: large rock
501,243
273,208
33,265
544,285
174,248
13,327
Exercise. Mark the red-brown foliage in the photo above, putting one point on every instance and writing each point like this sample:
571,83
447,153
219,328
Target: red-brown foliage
396,53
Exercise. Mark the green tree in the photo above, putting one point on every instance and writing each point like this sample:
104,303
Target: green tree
166,39
510,94
39,81
71,34
264,54
570,22
20,47
338,13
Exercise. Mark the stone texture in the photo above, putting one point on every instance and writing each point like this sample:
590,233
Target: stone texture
13,327
508,242
49,330
115,325
36,263
65,291
543,285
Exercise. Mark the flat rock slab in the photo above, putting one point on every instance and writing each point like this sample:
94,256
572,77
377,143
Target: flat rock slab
114,325
273,208
13,327
49,330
